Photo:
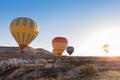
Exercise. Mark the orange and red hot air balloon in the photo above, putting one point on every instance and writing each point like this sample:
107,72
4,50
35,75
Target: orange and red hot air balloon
59,44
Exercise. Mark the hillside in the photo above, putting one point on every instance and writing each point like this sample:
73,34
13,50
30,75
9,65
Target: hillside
29,53
40,64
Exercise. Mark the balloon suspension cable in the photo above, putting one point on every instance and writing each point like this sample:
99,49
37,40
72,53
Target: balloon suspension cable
22,47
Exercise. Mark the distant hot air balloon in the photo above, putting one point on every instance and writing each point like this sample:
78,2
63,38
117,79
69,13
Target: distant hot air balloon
105,48
24,30
59,44
70,50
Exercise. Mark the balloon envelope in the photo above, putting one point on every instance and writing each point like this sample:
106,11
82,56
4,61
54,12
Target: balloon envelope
24,30
70,50
59,44
105,48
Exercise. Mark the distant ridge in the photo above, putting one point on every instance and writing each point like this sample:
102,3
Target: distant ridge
7,52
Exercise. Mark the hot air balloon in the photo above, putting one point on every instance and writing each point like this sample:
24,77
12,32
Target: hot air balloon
70,50
105,48
59,44
24,30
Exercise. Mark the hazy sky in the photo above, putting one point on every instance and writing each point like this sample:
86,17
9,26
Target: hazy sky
87,24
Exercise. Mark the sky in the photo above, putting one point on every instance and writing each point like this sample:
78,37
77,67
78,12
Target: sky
87,24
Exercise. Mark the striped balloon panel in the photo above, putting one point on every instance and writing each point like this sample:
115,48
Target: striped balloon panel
70,49
60,39
55,52
23,22
59,51
24,30
59,45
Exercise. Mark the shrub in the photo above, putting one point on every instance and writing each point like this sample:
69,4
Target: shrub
88,70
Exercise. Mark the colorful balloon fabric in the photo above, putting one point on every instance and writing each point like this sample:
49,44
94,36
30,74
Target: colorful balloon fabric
70,50
105,48
24,30
59,44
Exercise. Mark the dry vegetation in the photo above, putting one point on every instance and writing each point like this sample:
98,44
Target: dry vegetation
88,70
107,75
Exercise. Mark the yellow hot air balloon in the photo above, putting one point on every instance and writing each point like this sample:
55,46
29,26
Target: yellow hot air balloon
59,44
105,48
24,30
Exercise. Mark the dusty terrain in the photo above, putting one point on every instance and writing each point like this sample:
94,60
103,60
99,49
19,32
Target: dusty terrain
39,64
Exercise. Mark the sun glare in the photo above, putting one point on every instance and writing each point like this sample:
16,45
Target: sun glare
93,44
